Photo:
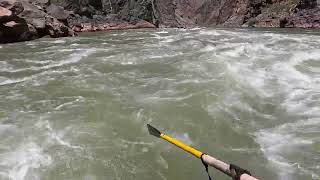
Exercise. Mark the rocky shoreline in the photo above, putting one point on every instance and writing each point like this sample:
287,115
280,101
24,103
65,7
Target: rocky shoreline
23,20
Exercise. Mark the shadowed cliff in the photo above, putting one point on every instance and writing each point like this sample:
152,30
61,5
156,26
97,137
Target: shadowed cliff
29,19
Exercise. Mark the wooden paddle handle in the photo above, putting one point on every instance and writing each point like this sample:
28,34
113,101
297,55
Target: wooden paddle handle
224,167
247,177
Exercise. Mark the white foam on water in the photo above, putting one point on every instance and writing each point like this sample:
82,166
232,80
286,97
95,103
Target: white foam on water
279,76
65,50
167,39
210,32
56,136
13,81
59,41
162,95
33,62
164,39
164,55
208,48
236,50
136,142
290,78
275,142
72,59
30,43
128,63
196,29
19,164
145,149
162,162
299,89
162,32
76,44
68,104
269,72
244,150
255,79
301,56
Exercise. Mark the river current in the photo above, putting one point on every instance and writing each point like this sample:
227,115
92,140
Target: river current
77,108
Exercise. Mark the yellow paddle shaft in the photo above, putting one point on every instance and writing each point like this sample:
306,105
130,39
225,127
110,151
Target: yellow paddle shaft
179,144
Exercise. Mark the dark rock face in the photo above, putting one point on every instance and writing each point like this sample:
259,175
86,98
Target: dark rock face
189,13
185,13
285,13
44,23
57,12
128,10
102,15
29,19
22,21
304,19
235,13
12,27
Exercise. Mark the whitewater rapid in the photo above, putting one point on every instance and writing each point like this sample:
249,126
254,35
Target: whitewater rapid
76,108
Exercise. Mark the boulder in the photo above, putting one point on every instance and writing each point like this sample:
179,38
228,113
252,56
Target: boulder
21,20
5,15
16,8
14,28
58,12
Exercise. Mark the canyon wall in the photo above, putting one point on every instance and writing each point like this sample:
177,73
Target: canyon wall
22,20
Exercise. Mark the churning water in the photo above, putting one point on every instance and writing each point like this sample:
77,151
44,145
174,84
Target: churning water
76,108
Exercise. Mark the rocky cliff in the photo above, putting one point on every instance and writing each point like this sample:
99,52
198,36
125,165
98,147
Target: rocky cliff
188,13
237,13
28,19
21,21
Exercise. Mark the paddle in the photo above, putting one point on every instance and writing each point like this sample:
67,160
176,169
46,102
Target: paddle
231,170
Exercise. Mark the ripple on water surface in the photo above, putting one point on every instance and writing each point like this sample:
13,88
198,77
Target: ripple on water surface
77,107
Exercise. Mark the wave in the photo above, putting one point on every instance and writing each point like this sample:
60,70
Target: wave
72,59
277,142
21,162
58,137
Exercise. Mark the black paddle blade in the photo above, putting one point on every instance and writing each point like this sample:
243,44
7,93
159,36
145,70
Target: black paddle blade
153,131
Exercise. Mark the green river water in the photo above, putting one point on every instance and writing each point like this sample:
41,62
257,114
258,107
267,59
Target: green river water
77,108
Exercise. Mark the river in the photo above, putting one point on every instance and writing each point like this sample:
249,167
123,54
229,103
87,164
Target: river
77,108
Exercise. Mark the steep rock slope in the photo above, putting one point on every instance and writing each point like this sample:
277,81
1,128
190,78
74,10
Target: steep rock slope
22,21
235,13
96,15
